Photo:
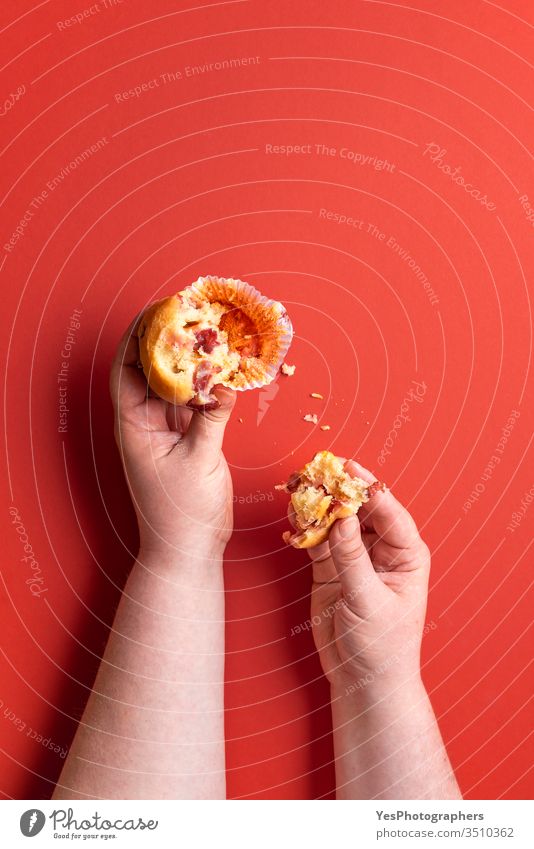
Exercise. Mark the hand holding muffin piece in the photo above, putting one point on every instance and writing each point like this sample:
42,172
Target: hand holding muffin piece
321,493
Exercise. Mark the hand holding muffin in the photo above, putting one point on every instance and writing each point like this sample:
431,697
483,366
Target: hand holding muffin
155,718
195,347
374,570
178,478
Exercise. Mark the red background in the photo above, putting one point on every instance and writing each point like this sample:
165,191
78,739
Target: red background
184,187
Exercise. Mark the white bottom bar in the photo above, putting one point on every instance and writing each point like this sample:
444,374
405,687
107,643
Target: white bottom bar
269,825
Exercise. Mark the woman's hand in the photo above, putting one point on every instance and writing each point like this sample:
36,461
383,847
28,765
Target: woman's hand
153,727
369,594
368,607
177,475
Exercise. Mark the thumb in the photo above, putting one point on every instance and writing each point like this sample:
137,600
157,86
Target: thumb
360,584
206,431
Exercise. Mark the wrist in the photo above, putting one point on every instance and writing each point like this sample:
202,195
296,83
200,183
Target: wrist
370,688
182,542
196,557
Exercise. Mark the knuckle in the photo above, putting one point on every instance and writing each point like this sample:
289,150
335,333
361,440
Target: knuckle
355,551
423,554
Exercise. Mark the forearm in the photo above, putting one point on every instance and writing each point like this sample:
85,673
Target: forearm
387,744
154,723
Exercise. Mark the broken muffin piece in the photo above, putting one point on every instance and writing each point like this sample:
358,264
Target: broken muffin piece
321,493
216,331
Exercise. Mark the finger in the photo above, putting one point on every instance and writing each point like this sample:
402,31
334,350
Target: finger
132,401
127,383
355,469
323,569
369,539
359,582
206,431
387,516
179,418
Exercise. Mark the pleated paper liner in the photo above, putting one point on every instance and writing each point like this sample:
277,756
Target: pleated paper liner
257,327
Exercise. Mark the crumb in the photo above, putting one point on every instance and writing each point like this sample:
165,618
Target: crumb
311,417
325,427
247,336
288,370
240,421
316,395
376,486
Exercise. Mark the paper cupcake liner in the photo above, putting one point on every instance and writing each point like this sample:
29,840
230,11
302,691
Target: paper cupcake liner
271,325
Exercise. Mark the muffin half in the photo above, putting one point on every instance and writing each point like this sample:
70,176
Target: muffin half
216,331
321,493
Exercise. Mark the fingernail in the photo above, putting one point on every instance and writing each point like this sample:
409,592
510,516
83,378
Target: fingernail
347,527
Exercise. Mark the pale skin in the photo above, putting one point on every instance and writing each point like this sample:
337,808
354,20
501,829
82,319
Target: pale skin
153,726
369,600
154,723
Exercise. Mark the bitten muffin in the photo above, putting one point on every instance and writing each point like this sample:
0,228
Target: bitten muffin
216,331
321,493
